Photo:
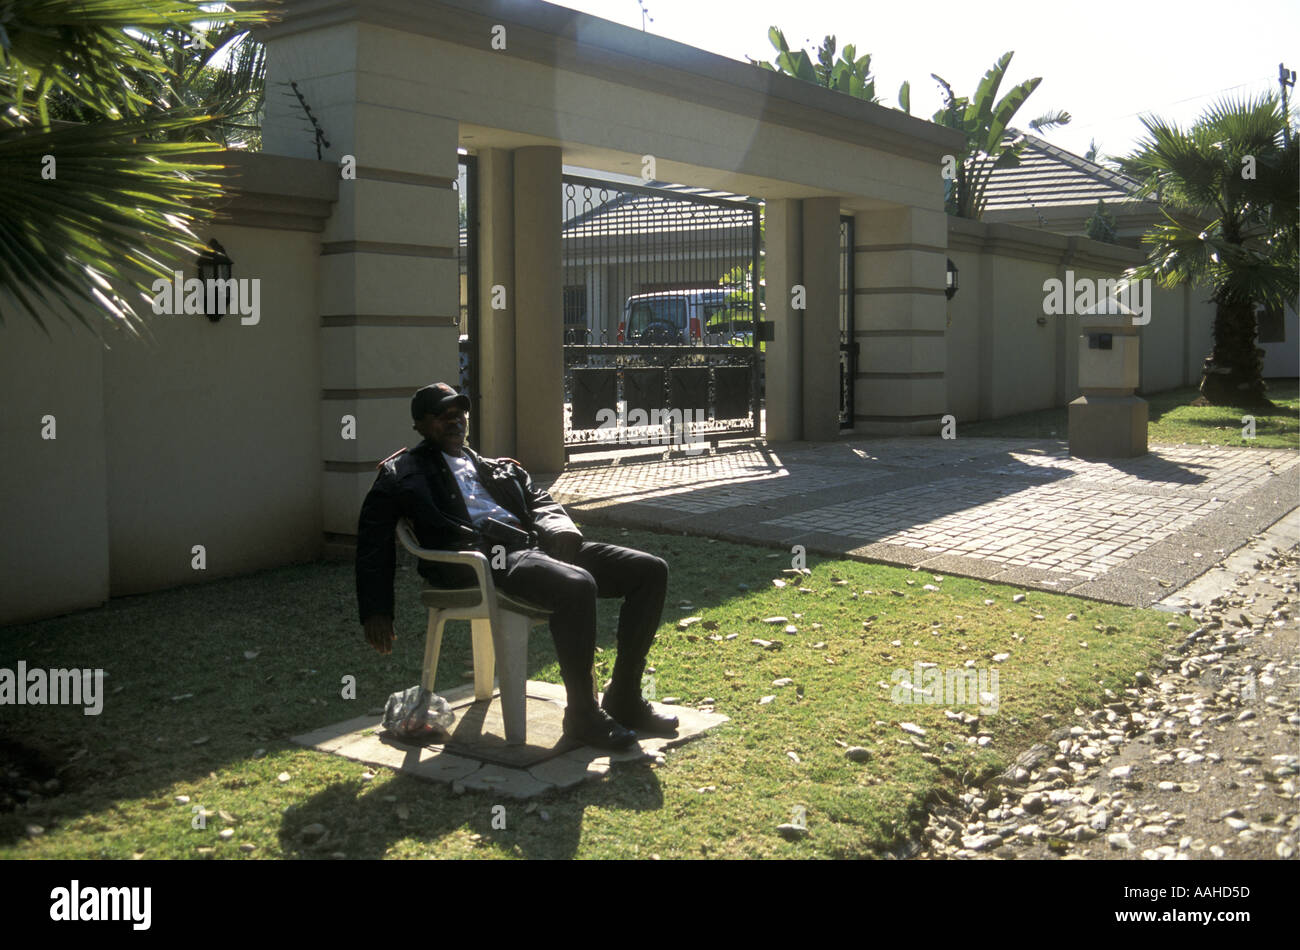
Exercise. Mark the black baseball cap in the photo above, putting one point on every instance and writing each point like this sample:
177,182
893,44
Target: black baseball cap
436,398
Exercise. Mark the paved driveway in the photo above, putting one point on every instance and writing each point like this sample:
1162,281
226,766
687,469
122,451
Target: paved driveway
1012,510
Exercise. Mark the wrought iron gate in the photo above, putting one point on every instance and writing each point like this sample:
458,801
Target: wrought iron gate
467,267
848,345
660,315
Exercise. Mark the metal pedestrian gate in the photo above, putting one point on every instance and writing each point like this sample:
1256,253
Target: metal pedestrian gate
467,268
848,345
660,314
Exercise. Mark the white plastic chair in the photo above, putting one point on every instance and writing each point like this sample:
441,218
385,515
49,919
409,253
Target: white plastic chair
499,627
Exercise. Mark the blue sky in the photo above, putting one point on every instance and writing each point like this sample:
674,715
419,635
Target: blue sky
1104,62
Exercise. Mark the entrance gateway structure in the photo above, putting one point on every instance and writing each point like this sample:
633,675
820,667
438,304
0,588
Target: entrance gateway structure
527,88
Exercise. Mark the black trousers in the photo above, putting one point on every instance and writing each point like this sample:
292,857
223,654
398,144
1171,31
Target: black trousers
570,590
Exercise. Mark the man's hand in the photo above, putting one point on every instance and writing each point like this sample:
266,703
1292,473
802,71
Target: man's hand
564,547
379,633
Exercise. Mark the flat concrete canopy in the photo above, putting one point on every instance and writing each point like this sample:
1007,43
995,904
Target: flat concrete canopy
525,74
1016,511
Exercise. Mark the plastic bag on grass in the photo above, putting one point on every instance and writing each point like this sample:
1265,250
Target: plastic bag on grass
417,713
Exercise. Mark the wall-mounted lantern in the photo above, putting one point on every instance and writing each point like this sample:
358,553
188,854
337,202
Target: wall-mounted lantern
215,264
951,286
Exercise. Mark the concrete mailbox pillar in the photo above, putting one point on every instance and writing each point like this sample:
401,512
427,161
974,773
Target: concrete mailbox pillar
1108,420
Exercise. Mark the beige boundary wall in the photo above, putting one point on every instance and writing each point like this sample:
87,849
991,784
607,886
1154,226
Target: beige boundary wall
53,493
1006,356
206,434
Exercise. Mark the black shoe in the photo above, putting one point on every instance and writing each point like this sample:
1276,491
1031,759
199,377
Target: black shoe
639,715
596,728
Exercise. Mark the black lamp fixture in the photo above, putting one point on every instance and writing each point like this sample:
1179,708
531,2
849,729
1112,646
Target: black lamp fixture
215,264
950,288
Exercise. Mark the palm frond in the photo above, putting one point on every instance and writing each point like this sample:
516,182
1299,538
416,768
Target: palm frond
120,207
124,201
81,47
1050,120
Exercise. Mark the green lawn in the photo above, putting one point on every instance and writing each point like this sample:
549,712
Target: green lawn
224,745
1173,421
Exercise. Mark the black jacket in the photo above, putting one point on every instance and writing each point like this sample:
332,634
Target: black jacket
418,484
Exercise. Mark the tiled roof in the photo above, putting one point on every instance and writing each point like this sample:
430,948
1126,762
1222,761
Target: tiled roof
594,212
606,212
1052,178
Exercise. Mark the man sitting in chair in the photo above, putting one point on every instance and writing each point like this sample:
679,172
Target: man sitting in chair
449,492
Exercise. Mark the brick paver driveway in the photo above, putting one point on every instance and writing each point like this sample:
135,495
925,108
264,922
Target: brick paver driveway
1013,510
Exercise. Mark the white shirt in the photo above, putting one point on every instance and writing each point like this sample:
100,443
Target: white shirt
477,500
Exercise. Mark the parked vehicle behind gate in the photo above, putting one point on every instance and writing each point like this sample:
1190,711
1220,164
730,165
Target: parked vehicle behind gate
672,316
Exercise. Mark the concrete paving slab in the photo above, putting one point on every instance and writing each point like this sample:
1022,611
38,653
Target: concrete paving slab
954,564
479,732
568,770
761,534
501,780
895,554
1159,571
375,747
692,723
1282,535
1054,581
331,738
478,757
440,766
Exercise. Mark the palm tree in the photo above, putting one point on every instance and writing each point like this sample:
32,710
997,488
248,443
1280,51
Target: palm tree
1237,168
985,120
92,211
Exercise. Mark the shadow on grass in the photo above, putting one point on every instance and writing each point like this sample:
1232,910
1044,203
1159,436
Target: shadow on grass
367,822
1281,418
1170,408
1269,423
210,678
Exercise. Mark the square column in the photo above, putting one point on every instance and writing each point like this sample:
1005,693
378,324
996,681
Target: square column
539,309
492,427
389,295
821,325
783,228
900,320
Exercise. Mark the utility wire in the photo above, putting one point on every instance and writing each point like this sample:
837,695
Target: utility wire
1205,95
